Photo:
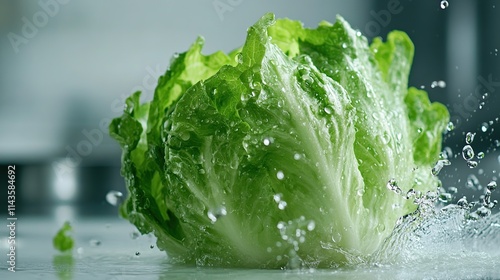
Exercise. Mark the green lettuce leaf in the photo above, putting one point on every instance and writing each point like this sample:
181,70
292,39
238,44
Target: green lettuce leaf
282,153
63,241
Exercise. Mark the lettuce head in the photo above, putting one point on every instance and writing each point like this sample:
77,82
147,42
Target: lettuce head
298,149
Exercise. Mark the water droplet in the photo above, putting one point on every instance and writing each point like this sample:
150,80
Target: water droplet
344,45
467,152
185,135
134,235
483,211
137,253
452,189
281,226
448,152
439,165
217,213
296,156
151,246
462,203
480,155
484,127
307,78
450,126
445,197
497,143
255,86
360,192
267,141
282,205
441,84
380,228
444,4
411,193
278,199
393,186
146,203
395,206
311,225
94,242
469,137
280,175
114,197
328,110
472,182
472,164
437,168
491,186
399,136
385,138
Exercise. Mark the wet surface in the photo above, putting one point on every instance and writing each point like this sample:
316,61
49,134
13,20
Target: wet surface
107,248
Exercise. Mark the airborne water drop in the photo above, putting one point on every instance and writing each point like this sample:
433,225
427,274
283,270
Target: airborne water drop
472,164
467,152
484,127
444,4
469,137
114,197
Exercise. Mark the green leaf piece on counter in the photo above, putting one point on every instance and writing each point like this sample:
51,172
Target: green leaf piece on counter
63,241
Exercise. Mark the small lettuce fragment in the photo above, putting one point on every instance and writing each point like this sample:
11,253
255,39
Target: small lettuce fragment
63,241
281,152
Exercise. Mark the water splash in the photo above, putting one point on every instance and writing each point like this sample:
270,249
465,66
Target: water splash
445,234
293,234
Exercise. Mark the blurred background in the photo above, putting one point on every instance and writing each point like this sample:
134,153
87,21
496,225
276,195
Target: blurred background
66,67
